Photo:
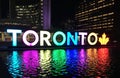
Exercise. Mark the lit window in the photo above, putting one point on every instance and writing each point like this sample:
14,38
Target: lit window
17,6
41,10
30,6
41,3
18,17
21,8
100,1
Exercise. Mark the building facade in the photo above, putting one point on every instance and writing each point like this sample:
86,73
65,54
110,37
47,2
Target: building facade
95,15
46,13
35,13
29,12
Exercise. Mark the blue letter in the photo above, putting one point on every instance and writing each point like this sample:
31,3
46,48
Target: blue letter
74,39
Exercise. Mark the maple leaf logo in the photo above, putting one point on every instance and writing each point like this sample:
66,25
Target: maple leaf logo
103,40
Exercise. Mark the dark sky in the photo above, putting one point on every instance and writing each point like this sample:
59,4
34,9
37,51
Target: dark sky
62,9
4,5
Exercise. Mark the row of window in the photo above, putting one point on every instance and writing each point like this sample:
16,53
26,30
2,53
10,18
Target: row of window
28,17
27,6
27,9
94,28
88,5
96,24
94,17
28,14
93,9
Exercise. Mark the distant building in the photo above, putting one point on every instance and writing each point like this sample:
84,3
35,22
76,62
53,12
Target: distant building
30,12
97,15
35,13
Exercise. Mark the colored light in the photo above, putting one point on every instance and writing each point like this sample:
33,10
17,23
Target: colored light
82,37
89,38
14,35
74,39
58,62
30,63
59,38
44,37
82,57
45,62
104,40
82,62
25,38
103,62
91,61
55,38
14,64
72,61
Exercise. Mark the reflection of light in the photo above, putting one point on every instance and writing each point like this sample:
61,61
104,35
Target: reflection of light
14,64
30,62
82,62
103,40
72,61
92,61
82,57
45,61
103,61
59,60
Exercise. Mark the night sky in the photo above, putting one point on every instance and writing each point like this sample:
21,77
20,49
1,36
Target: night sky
4,5
62,10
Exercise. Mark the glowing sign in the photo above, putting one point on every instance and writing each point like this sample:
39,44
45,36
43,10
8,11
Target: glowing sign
55,38
74,39
83,34
43,38
103,40
59,38
95,39
25,38
14,35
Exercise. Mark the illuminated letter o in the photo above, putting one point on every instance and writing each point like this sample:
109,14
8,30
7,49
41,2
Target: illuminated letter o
55,36
25,36
89,37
